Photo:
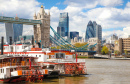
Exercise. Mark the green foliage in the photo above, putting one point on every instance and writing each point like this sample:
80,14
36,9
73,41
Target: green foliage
53,47
125,51
116,52
104,50
78,45
58,47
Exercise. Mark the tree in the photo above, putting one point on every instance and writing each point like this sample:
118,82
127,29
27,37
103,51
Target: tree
53,47
104,50
116,52
125,51
78,45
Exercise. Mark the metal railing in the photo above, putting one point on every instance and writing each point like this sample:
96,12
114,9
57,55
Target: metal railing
18,64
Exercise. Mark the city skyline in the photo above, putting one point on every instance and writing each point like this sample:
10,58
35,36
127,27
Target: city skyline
111,15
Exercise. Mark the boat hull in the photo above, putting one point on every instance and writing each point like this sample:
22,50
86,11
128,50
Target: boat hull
13,79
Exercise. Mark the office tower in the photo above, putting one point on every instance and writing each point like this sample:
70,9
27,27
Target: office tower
114,37
14,31
99,32
74,34
89,31
61,31
63,24
93,30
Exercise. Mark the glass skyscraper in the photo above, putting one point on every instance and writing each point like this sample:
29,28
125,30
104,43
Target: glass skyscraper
93,30
63,24
89,31
74,34
14,31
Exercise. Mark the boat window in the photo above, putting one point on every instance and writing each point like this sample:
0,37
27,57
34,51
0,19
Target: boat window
60,55
13,60
27,60
9,60
3,70
39,55
36,55
11,70
18,60
50,67
57,55
14,68
25,47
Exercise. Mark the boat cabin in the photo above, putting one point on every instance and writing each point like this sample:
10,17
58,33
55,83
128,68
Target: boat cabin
17,61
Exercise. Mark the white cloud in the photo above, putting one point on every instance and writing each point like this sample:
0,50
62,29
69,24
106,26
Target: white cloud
93,3
111,3
128,4
58,3
23,8
121,34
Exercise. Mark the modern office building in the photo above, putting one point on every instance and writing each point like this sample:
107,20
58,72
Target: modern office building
93,30
74,34
64,24
99,32
13,31
61,31
90,33
114,37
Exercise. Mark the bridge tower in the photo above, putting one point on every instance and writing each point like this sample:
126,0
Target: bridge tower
42,31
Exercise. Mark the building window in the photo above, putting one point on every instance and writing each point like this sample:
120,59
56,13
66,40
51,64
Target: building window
3,70
36,55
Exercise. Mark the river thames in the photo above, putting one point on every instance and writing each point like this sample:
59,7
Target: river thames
101,71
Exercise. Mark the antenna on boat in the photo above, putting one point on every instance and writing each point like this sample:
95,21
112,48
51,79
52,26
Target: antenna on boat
10,38
2,42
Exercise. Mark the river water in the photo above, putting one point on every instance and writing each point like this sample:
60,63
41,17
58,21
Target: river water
101,71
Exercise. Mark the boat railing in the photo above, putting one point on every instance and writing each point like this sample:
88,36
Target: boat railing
18,64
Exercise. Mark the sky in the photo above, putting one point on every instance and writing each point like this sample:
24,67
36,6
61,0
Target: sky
112,15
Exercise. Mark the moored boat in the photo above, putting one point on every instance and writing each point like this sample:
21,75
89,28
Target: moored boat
20,68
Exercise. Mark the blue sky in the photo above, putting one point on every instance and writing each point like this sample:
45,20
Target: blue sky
112,15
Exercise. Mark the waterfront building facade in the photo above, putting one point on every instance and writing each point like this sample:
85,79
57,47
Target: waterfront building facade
122,45
13,31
